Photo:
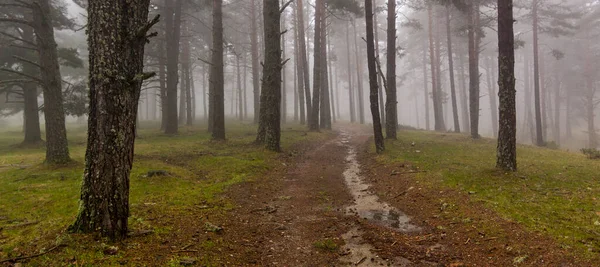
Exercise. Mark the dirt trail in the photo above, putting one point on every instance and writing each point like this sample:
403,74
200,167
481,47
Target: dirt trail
312,213
331,206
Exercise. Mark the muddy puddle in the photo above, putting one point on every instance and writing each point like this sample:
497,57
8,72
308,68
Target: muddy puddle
366,204
357,252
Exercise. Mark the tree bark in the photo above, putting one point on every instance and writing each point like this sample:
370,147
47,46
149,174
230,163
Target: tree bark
330,76
313,122
539,140
360,98
255,59
382,104
325,109
391,105
115,79
464,99
473,26
162,79
373,96
426,87
57,150
173,34
299,69
304,58
435,88
217,78
451,71
507,136
269,132
283,72
351,93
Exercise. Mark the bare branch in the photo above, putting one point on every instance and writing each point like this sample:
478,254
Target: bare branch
285,6
28,61
22,74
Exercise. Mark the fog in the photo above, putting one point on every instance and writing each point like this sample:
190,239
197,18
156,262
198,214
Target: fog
567,36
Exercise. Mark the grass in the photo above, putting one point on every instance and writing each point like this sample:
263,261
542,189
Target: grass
38,202
326,245
555,192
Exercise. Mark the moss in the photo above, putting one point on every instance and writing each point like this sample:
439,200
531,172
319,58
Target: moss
200,170
326,245
554,192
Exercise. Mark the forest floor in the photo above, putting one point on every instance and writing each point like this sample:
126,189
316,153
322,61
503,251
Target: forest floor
328,200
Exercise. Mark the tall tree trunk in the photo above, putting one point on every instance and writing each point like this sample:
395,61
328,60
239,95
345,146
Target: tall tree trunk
299,67
373,96
239,86
507,137
217,74
283,72
451,71
33,134
104,203
426,87
245,84
57,150
193,94
313,122
350,87
304,58
391,105
325,109
330,77
473,26
182,93
255,58
464,99
435,93
438,99
162,80
557,84
269,132
173,24
492,96
539,140
377,55
188,87
361,100
204,94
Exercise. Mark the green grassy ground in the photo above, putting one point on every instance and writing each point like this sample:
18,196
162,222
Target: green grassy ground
38,202
554,191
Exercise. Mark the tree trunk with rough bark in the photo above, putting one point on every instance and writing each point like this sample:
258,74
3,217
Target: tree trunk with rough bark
371,62
359,73
255,58
304,58
173,34
217,75
300,112
117,36
391,105
313,122
351,93
57,150
507,136
539,138
473,68
435,88
451,71
377,55
269,127
325,110
426,88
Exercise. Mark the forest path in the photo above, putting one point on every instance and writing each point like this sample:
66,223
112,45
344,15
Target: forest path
303,215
